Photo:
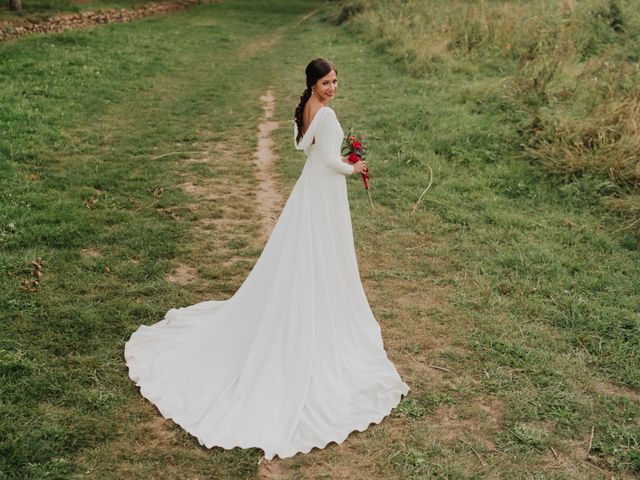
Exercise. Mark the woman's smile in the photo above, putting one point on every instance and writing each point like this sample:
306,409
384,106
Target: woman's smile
326,87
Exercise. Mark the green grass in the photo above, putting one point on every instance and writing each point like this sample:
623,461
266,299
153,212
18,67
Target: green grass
543,286
42,6
520,285
83,114
570,69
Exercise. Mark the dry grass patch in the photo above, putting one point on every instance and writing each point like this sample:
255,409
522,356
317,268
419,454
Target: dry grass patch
142,449
92,252
269,201
183,275
474,423
225,223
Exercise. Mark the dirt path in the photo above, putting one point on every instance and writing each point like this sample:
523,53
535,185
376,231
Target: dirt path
269,201
219,200
72,21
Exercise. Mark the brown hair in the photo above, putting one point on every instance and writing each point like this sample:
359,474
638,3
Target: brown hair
315,70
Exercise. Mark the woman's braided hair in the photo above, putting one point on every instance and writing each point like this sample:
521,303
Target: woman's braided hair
315,70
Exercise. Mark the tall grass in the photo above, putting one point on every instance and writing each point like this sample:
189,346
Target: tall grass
35,5
571,66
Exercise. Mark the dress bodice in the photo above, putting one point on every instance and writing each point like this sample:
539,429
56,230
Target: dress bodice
328,134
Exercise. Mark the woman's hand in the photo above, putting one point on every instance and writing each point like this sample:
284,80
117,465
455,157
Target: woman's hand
360,166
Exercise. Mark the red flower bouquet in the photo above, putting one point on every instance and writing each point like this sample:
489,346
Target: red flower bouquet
356,151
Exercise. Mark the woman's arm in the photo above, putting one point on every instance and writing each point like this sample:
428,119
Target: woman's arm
324,136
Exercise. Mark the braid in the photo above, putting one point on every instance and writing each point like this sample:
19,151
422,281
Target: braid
315,70
306,95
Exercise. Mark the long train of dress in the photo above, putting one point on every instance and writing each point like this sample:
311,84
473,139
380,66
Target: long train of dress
295,358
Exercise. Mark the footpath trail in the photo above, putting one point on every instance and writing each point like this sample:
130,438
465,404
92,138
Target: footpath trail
163,150
268,198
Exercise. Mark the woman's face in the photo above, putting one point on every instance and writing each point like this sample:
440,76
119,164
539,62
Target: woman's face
326,87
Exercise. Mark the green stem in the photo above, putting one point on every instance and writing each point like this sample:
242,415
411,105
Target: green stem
370,201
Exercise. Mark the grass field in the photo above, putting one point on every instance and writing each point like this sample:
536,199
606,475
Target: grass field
570,68
522,288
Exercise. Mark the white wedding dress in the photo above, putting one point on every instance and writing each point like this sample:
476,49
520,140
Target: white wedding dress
295,359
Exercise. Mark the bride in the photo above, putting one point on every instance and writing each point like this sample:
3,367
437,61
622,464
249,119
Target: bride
295,358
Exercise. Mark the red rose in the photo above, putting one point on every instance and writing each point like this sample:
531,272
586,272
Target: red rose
355,151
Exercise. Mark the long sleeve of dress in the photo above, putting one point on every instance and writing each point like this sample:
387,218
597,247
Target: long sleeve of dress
326,135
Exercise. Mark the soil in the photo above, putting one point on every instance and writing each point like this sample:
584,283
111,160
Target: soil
268,199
